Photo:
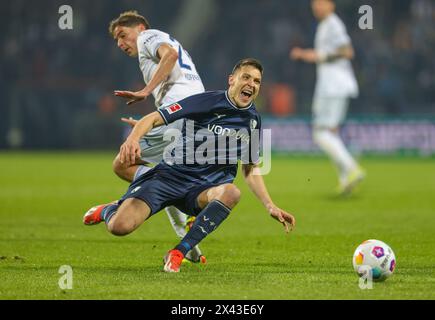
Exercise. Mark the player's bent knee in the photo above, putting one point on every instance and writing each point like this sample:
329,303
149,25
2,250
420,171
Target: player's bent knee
131,214
123,171
120,227
230,196
117,166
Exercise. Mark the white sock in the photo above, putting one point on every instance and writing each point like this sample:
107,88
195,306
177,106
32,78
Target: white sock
178,222
140,171
333,146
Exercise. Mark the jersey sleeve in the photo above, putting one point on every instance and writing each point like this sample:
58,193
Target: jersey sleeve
256,138
150,41
251,152
339,36
190,107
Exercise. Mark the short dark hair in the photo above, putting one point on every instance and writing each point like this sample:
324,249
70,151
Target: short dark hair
248,62
128,19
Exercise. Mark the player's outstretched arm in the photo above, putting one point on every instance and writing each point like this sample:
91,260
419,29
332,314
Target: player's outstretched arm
344,52
132,96
256,183
168,58
306,55
313,56
130,149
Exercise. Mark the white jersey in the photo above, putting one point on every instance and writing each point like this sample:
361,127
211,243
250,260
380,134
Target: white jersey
335,78
183,80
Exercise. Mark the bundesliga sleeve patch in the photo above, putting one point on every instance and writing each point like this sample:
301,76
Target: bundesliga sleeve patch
173,108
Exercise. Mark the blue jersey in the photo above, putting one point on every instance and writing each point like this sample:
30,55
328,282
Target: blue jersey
216,134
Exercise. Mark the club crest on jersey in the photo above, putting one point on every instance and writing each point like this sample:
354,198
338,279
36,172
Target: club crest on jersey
173,108
253,124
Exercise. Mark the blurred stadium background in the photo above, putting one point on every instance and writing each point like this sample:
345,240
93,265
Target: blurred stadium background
56,85
56,95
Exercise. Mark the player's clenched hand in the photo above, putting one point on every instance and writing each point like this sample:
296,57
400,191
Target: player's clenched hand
129,151
288,221
296,53
132,96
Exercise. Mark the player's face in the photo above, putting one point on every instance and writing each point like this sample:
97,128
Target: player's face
126,38
322,8
244,85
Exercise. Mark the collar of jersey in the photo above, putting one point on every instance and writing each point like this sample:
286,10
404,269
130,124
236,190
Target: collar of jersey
232,104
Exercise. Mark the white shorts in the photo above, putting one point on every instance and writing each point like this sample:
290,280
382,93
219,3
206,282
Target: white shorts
152,144
329,112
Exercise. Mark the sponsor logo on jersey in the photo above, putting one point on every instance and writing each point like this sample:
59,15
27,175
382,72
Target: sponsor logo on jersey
173,108
192,77
149,39
242,134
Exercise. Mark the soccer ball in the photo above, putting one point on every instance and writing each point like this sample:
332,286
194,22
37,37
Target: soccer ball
376,257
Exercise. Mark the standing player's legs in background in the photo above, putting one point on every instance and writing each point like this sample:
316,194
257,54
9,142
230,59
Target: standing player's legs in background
329,114
152,148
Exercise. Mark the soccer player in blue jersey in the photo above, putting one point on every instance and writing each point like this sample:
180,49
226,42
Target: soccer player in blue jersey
183,179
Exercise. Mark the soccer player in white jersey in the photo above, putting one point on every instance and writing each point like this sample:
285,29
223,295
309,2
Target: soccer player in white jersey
170,76
335,85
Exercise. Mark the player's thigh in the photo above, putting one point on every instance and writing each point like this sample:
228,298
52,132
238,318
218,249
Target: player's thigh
329,112
158,188
132,212
342,104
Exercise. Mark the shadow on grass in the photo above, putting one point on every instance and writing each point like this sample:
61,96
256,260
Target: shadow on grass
353,197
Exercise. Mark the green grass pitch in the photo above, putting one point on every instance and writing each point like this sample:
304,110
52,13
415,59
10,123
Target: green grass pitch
43,197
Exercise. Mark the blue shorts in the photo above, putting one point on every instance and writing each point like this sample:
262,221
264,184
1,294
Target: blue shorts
162,186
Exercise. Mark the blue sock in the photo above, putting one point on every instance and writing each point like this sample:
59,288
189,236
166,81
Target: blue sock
206,222
108,212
